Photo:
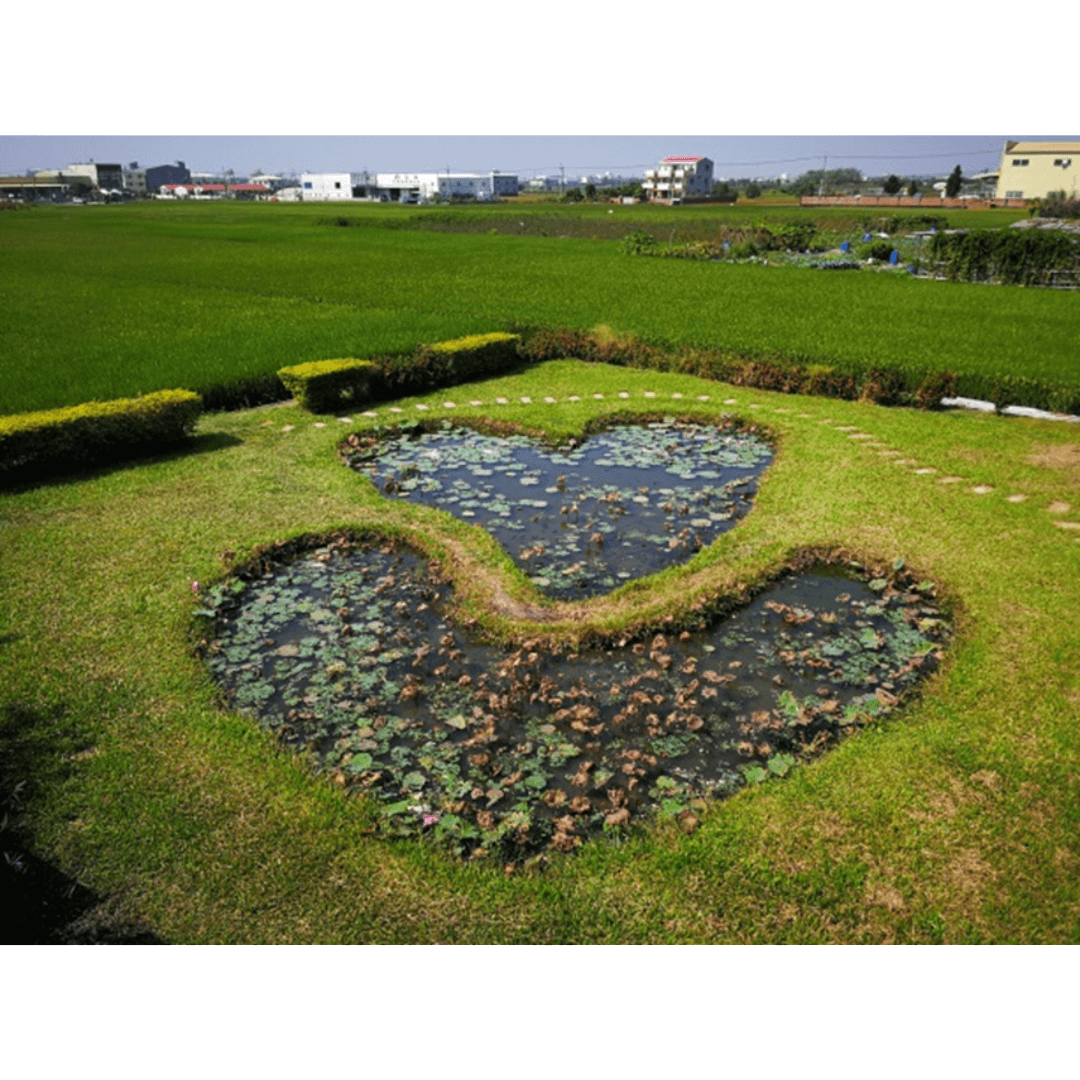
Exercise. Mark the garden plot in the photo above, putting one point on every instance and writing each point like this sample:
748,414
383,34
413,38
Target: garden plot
351,653
585,518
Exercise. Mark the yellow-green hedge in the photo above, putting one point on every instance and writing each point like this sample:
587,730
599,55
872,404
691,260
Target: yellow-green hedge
97,431
325,385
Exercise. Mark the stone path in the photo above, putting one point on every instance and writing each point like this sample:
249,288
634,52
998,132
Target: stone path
863,439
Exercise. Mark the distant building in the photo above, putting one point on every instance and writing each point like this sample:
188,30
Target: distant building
423,187
104,177
679,177
1034,170
326,187
150,181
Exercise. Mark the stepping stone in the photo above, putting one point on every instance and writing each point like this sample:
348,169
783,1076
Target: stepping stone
599,397
422,407
550,400
650,393
344,419
394,408
805,416
288,427
951,479
848,427
1074,525
904,461
676,395
754,405
781,410
925,471
526,400
449,405
889,453
319,423
476,403
731,401
981,489
501,401
574,397
827,420
373,415
1058,508
860,435
623,394
1017,498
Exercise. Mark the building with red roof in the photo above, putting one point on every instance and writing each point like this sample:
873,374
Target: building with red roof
678,177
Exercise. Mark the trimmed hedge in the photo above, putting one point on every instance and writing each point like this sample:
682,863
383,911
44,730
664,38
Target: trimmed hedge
324,386
320,386
96,432
884,385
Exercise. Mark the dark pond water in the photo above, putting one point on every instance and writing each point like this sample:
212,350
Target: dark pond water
580,520
348,652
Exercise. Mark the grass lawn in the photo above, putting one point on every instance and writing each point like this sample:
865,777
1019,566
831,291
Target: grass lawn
953,820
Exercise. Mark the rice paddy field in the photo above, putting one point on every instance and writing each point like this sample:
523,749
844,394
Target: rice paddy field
251,694
104,302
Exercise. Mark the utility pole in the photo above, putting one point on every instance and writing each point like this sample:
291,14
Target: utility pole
562,179
824,167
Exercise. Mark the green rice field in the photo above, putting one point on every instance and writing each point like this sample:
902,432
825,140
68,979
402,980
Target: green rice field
105,302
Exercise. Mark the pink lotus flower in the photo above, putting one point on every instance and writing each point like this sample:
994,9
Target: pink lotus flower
430,819
195,587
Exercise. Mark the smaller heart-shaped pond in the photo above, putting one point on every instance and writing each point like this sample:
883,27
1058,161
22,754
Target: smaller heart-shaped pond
349,652
582,519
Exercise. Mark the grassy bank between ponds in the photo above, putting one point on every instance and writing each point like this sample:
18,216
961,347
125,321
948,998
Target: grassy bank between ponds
953,820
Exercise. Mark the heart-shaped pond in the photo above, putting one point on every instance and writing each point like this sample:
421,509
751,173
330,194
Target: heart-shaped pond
349,652
582,519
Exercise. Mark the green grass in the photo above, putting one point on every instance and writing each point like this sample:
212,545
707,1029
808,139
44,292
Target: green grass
112,301
954,820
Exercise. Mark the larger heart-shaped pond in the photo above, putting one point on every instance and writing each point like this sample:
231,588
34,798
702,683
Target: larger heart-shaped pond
582,519
350,653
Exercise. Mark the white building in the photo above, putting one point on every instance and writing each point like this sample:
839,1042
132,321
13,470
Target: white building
679,177
327,187
423,187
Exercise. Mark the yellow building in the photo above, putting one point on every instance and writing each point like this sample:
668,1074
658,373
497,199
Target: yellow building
1034,170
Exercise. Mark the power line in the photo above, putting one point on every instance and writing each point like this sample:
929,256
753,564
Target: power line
778,161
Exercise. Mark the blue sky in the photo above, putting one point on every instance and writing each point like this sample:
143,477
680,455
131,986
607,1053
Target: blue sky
431,86
527,155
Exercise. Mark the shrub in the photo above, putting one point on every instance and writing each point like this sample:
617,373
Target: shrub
936,385
637,243
1057,205
321,386
96,432
1009,257
880,251
324,386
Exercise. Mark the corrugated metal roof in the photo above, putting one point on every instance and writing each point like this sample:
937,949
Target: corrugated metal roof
675,158
1044,148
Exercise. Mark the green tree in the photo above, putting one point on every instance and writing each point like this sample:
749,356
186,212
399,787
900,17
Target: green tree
752,190
891,185
954,183
913,186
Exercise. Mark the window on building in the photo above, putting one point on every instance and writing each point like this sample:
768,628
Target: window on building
1014,194
307,183
1062,162
337,184
1017,161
